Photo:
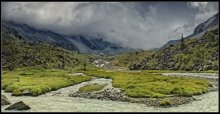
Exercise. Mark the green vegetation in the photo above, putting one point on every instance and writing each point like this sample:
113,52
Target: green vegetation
127,59
91,87
39,68
165,102
191,55
38,81
147,84
18,53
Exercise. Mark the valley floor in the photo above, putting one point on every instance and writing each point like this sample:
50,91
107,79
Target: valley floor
205,103
59,101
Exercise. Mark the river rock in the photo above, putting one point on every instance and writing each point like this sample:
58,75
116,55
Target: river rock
4,100
18,106
26,92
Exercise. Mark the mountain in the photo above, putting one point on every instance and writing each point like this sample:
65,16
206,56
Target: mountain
199,51
201,29
193,54
81,43
20,53
91,44
28,33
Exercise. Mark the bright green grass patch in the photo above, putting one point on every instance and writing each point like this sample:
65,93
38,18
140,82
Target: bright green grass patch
92,87
38,81
146,84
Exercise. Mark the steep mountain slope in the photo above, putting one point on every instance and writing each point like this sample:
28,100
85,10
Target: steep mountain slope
81,43
18,53
201,29
193,54
31,34
198,51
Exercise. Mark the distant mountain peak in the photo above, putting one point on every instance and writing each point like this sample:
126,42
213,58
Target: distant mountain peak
88,43
209,24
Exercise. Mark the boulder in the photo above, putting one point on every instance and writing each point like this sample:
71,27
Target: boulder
18,106
4,100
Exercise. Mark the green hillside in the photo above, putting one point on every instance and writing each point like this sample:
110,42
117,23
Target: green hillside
129,58
191,54
18,53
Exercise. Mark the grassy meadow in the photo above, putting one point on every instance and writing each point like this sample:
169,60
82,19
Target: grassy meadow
38,81
148,84
145,84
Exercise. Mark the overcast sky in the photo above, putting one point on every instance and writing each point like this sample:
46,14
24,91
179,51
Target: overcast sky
134,24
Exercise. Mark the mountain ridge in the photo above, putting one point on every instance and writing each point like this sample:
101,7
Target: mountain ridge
210,24
198,52
81,43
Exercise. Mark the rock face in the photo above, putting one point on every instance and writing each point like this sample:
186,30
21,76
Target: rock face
18,106
4,100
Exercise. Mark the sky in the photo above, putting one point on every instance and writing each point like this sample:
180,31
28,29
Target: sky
142,25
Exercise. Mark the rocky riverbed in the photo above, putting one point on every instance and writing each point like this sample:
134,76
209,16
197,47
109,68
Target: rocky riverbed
205,103
115,94
59,101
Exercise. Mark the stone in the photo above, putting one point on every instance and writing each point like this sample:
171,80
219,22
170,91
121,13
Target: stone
18,106
4,100
26,92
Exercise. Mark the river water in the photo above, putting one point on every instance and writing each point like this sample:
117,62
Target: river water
60,102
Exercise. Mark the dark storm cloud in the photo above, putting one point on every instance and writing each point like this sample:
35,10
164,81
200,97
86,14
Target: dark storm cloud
134,24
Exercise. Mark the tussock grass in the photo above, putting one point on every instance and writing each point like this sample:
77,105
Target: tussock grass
148,84
38,81
135,84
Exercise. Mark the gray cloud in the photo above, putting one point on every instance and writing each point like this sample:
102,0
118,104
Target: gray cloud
133,24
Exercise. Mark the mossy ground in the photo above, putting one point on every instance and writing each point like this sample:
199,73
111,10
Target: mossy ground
148,84
38,81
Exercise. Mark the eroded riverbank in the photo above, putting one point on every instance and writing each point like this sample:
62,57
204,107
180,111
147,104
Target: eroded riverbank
205,103
59,101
